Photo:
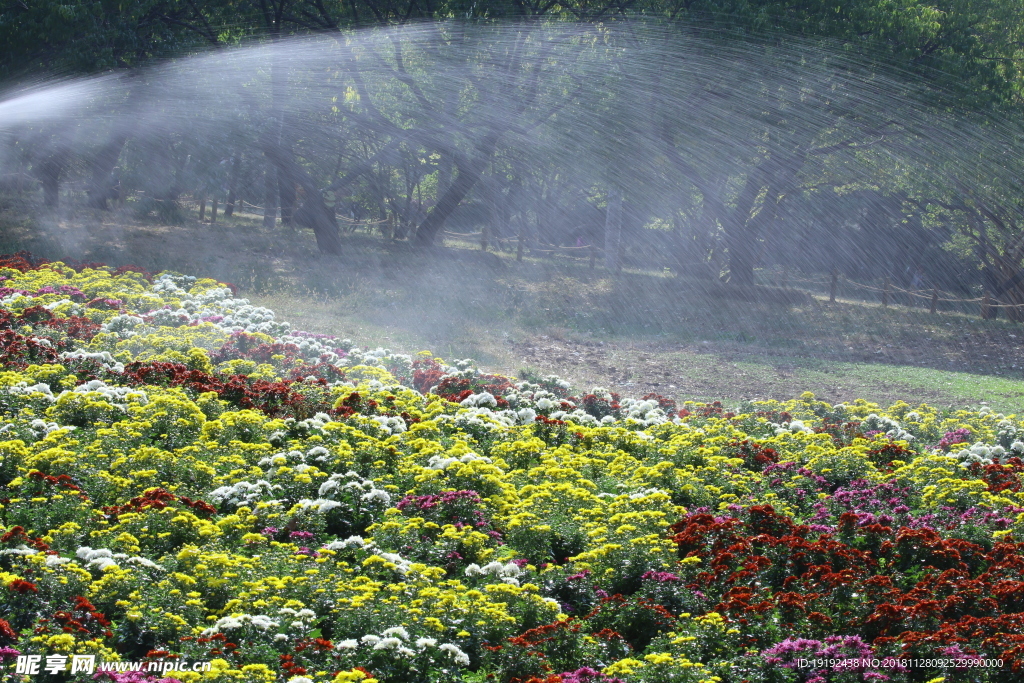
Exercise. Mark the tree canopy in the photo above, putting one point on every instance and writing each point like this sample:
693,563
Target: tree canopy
734,123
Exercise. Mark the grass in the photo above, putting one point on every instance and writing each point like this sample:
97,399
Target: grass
634,332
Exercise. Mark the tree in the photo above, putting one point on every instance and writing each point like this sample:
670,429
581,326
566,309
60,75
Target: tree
804,82
86,37
715,116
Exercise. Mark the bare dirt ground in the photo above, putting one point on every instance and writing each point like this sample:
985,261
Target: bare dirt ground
711,370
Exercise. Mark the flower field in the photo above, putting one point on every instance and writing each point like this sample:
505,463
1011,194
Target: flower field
184,476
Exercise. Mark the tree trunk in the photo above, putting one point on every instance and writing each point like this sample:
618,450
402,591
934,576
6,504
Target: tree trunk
499,215
469,175
286,191
445,165
286,180
521,242
444,175
693,245
740,237
159,179
707,232
174,190
313,213
613,230
744,229
741,260
236,166
380,191
281,164
49,172
1010,290
102,186
270,195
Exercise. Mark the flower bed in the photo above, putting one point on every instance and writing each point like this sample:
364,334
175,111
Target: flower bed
184,476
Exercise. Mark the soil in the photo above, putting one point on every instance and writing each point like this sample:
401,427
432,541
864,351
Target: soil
709,370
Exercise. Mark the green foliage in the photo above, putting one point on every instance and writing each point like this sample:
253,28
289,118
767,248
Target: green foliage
87,36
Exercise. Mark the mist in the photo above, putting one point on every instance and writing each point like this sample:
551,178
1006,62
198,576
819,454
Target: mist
728,181
512,342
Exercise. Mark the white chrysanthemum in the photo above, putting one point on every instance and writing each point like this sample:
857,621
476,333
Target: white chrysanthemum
143,562
102,563
321,505
455,653
87,553
228,624
377,495
318,452
263,622
350,542
437,462
327,487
